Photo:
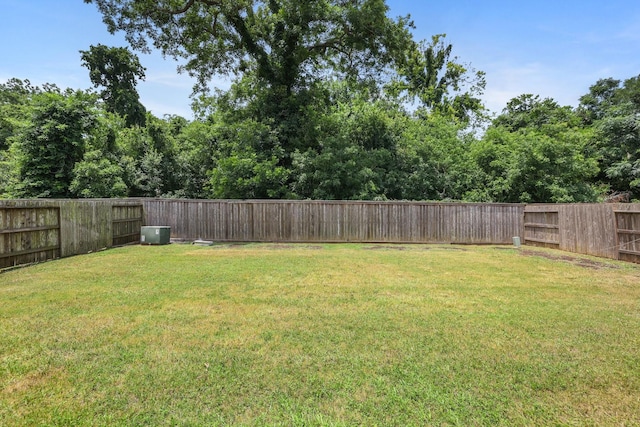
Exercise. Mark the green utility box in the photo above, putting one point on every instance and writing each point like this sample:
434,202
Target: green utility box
155,235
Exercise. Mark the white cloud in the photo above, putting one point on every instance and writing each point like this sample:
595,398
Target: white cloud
565,82
158,107
174,80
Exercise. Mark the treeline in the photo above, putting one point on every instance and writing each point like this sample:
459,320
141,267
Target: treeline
351,145
363,114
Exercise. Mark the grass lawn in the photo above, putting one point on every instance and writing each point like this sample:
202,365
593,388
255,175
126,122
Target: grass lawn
320,335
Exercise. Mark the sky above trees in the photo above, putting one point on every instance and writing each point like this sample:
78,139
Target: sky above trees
548,48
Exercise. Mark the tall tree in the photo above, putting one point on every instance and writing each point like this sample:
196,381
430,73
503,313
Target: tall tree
442,84
613,108
53,142
536,151
285,45
283,40
118,71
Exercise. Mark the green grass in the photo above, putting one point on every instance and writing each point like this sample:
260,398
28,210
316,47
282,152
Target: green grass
320,335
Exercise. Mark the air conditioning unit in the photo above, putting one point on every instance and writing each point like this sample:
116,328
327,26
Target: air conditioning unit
155,235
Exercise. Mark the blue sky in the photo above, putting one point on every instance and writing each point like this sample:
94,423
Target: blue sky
553,49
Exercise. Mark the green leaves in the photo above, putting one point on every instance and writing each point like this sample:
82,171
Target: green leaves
612,108
533,165
98,176
52,143
117,70
247,163
428,73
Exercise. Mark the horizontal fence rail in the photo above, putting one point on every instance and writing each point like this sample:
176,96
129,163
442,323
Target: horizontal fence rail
34,230
336,221
603,230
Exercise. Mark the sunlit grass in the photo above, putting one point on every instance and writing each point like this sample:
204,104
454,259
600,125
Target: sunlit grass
320,335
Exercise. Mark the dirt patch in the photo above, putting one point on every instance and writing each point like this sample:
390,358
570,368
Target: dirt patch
409,248
581,262
385,248
228,245
277,246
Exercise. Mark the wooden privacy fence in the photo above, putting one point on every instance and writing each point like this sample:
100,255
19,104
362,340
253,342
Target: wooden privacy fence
603,230
336,221
38,230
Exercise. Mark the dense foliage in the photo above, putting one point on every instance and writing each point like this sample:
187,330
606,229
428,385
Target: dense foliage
329,100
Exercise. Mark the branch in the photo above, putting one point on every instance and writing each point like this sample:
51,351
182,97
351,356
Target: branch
186,7
331,43
190,3
250,43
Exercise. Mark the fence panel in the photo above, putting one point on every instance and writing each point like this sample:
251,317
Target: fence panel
33,230
542,226
627,219
603,230
336,221
28,235
126,222
588,229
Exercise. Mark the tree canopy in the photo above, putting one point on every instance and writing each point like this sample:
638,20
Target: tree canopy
330,99
287,44
117,70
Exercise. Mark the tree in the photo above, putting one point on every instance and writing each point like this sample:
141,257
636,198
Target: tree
286,46
117,70
429,73
100,173
196,145
529,111
15,100
536,151
53,142
601,97
98,176
282,40
357,155
243,169
149,158
435,155
612,107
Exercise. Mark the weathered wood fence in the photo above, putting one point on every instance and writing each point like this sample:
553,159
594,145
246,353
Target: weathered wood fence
336,221
603,230
38,230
